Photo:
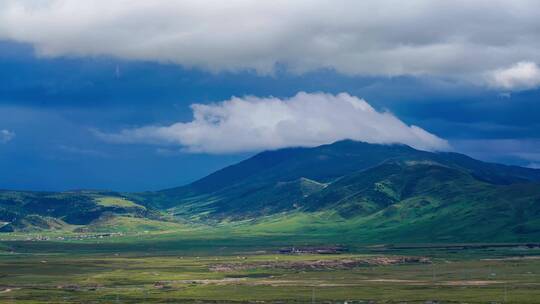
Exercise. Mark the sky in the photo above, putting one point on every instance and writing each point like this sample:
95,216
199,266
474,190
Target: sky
145,95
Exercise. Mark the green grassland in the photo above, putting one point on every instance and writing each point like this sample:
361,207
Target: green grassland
180,267
177,264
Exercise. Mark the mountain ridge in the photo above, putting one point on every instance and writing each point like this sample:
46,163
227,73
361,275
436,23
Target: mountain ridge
371,191
328,162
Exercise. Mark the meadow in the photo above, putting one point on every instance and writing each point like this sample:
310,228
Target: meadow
217,265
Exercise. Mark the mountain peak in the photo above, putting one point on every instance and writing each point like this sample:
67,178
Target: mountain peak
325,164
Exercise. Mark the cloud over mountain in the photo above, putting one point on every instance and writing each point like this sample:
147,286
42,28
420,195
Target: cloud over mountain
254,123
461,39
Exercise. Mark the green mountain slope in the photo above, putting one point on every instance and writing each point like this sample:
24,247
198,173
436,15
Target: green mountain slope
254,187
343,191
31,211
414,202
437,203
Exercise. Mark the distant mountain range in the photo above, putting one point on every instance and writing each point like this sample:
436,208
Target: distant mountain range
379,192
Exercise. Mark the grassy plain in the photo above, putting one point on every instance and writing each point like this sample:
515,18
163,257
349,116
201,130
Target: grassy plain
232,265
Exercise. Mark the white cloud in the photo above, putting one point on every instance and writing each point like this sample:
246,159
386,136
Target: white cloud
463,39
520,76
253,123
6,136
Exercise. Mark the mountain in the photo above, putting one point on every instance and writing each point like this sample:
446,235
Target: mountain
345,190
430,201
309,178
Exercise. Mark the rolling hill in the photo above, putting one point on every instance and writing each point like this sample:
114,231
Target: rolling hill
35,211
348,189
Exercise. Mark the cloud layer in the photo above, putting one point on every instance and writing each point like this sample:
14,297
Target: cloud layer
253,123
461,38
6,136
520,76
